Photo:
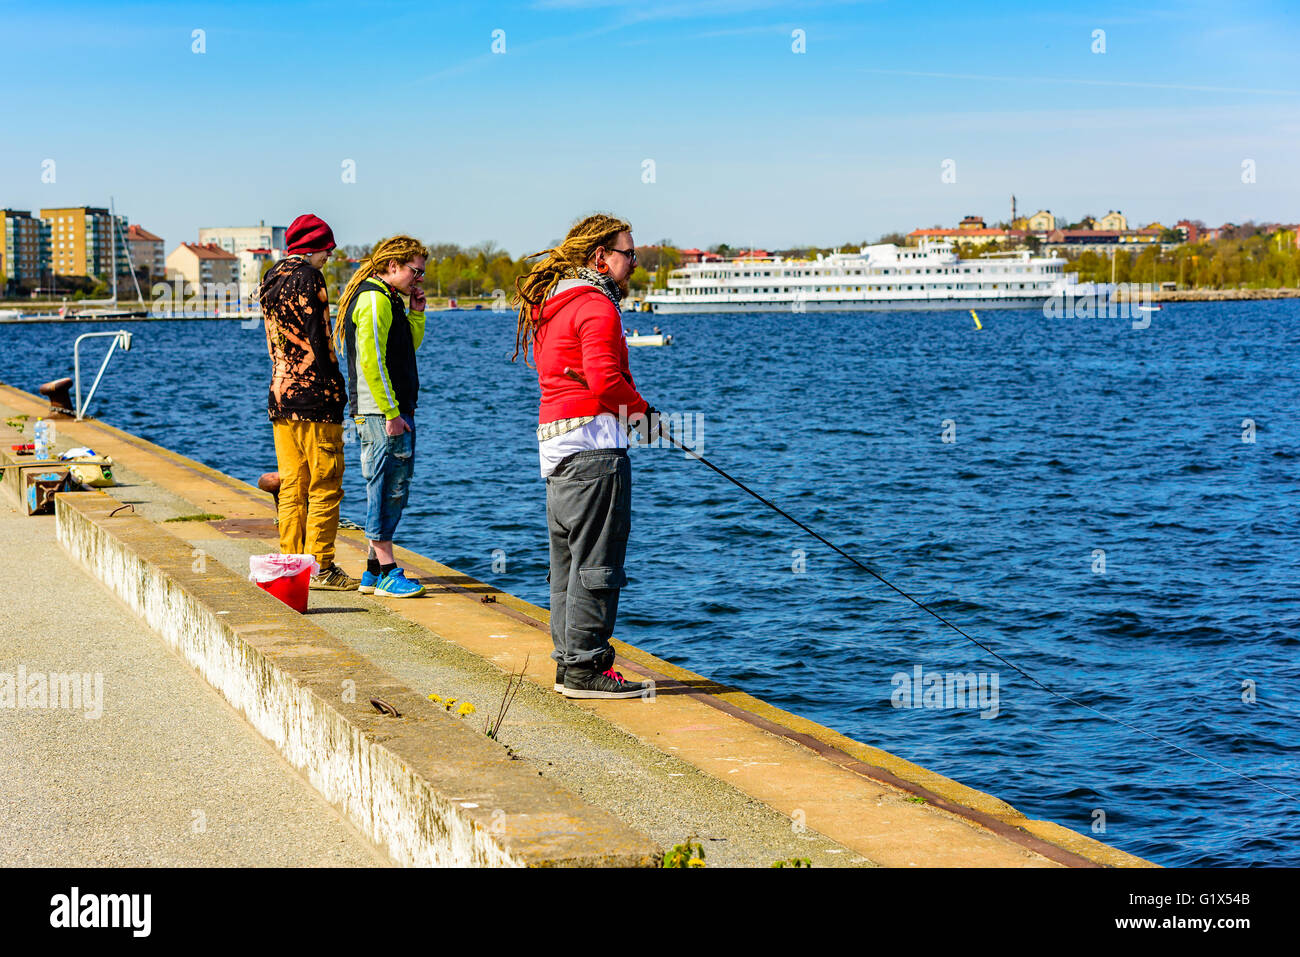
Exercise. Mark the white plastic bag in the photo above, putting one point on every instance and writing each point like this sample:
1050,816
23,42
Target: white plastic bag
267,568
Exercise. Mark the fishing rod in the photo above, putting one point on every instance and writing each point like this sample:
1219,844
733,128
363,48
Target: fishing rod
662,431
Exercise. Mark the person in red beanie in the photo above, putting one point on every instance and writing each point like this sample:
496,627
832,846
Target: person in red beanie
307,400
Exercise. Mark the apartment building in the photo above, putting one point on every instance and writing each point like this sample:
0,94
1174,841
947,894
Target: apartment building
23,252
251,264
236,239
260,241
83,241
147,251
199,264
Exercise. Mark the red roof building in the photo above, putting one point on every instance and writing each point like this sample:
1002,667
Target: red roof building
139,233
698,256
146,250
968,235
208,251
203,263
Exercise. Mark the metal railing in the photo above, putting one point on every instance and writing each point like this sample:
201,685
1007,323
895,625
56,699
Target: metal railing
122,337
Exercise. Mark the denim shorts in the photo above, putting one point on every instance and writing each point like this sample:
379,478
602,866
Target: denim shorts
387,462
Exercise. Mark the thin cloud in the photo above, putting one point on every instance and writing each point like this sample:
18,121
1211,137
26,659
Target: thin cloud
697,9
1082,82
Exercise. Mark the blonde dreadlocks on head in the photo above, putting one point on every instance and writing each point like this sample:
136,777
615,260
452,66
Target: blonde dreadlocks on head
398,249
561,262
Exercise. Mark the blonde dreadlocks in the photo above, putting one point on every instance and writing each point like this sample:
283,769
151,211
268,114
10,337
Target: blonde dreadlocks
561,262
398,249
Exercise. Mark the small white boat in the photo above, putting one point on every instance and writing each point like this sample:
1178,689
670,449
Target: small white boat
1149,308
657,339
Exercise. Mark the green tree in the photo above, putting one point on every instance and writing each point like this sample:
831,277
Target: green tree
337,270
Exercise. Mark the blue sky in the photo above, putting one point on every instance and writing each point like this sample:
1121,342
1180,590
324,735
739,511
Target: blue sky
751,142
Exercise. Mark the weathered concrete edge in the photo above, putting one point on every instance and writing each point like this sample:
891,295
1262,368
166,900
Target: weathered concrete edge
945,787
425,789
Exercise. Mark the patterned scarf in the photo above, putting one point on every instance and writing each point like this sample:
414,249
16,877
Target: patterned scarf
603,282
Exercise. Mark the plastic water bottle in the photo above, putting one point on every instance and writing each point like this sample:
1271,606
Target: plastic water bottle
41,435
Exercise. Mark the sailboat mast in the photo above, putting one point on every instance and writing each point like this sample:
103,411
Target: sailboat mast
112,242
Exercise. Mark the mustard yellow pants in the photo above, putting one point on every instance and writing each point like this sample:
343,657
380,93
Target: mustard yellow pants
310,457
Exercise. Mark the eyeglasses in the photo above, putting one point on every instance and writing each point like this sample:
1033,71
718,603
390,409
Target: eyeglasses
419,273
629,253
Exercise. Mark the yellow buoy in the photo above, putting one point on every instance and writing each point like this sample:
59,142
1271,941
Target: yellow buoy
976,318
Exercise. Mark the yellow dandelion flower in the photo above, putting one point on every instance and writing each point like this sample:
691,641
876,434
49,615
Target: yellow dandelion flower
435,698
466,708
695,862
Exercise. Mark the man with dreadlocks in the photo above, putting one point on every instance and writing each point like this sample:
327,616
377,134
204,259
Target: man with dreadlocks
381,338
569,315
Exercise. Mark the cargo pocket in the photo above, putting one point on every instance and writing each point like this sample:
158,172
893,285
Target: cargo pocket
602,577
330,462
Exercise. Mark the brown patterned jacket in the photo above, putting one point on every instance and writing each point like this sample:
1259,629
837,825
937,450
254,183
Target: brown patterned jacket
305,379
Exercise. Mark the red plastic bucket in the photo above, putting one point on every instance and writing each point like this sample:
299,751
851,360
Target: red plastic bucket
290,589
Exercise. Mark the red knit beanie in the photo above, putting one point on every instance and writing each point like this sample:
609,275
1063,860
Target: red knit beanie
309,234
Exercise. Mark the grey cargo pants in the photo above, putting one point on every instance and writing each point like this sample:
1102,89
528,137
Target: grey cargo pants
588,515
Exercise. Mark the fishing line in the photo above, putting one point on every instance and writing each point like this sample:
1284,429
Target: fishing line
1064,697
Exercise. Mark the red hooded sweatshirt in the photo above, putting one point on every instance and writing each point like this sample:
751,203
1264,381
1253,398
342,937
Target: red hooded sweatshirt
582,329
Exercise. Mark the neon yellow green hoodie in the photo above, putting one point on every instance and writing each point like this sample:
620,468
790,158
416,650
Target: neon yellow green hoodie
382,338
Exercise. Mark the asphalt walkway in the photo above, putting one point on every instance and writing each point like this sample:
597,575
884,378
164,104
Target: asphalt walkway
151,767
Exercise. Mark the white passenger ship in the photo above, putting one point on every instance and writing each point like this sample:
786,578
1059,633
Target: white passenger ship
883,277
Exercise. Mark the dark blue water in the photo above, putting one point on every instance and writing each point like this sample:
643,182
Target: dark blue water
1071,436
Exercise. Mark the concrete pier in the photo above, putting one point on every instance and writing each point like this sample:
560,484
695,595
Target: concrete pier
568,783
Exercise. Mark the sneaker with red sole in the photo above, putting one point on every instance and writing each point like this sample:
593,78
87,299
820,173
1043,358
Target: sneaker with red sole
582,682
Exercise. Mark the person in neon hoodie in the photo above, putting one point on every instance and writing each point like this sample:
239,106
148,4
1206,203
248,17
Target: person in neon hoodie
569,318
380,336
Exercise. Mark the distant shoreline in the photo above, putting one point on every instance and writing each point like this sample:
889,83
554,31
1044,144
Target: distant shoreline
132,310
1212,295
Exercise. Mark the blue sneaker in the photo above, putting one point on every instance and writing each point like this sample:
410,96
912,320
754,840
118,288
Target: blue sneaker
397,585
368,582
